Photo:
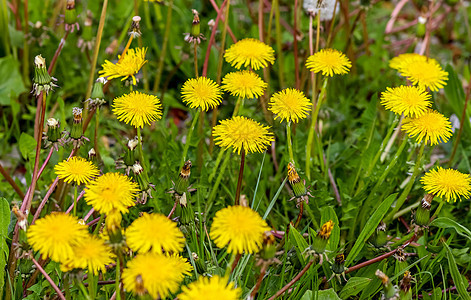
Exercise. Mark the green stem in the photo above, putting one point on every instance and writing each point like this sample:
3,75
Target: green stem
188,138
75,200
408,188
91,285
237,107
200,149
279,48
141,153
65,279
118,275
439,208
312,129
97,122
98,225
239,180
216,165
229,265
163,53
288,142
219,178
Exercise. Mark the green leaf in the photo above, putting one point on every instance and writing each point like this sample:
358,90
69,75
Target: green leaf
354,286
369,228
27,145
11,84
328,213
298,240
455,95
4,222
329,294
461,285
449,223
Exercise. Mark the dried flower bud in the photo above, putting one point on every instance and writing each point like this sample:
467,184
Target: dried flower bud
135,30
77,130
183,178
323,235
129,158
53,131
195,36
379,238
22,218
97,97
422,215
42,81
268,246
404,286
338,267
92,155
389,291
295,181
71,16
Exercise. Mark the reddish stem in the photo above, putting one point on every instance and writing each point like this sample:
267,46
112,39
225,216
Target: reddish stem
49,279
12,182
216,8
293,281
211,39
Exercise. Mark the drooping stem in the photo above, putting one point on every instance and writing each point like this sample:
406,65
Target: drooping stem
189,135
239,180
312,128
163,51
289,142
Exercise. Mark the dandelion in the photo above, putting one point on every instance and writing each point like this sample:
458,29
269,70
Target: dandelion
244,84
325,8
155,274
155,233
289,105
329,62
432,126
56,236
137,109
90,253
403,60
250,53
426,74
77,170
214,288
240,228
242,133
126,67
447,183
411,101
201,92
111,192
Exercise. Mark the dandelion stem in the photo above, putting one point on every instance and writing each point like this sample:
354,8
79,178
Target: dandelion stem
279,48
91,285
462,121
437,211
95,139
189,135
259,281
289,142
293,281
239,180
312,129
163,51
118,275
11,182
238,106
97,228
141,153
75,200
391,140
49,279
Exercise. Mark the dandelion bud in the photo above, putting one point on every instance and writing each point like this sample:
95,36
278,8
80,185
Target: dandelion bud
92,155
140,289
22,218
195,25
389,291
113,227
405,292
129,156
77,130
422,215
183,178
421,24
187,214
200,266
70,16
338,267
135,30
42,81
268,246
295,181
53,132
379,238
323,235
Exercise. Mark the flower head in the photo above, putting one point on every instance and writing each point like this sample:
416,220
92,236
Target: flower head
289,105
77,170
403,60
201,92
250,53
214,288
90,253
240,132
411,101
326,230
239,227
111,192
155,274
129,65
244,84
329,62
56,236
155,233
426,74
447,183
432,126
137,109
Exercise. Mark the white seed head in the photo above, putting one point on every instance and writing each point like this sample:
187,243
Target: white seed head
51,122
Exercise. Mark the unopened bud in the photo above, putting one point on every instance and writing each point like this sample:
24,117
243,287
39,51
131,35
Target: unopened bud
70,16
42,81
323,235
77,130
422,215
129,158
183,178
268,250
53,131
295,181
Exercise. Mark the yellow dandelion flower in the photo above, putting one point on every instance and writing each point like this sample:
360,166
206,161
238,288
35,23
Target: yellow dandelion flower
244,84
131,63
447,183
326,230
250,53
90,253
155,274
201,92
329,62
289,105
240,132
432,126
137,109
77,170
155,233
111,192
411,101
240,228
214,288
402,60
56,236
426,74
